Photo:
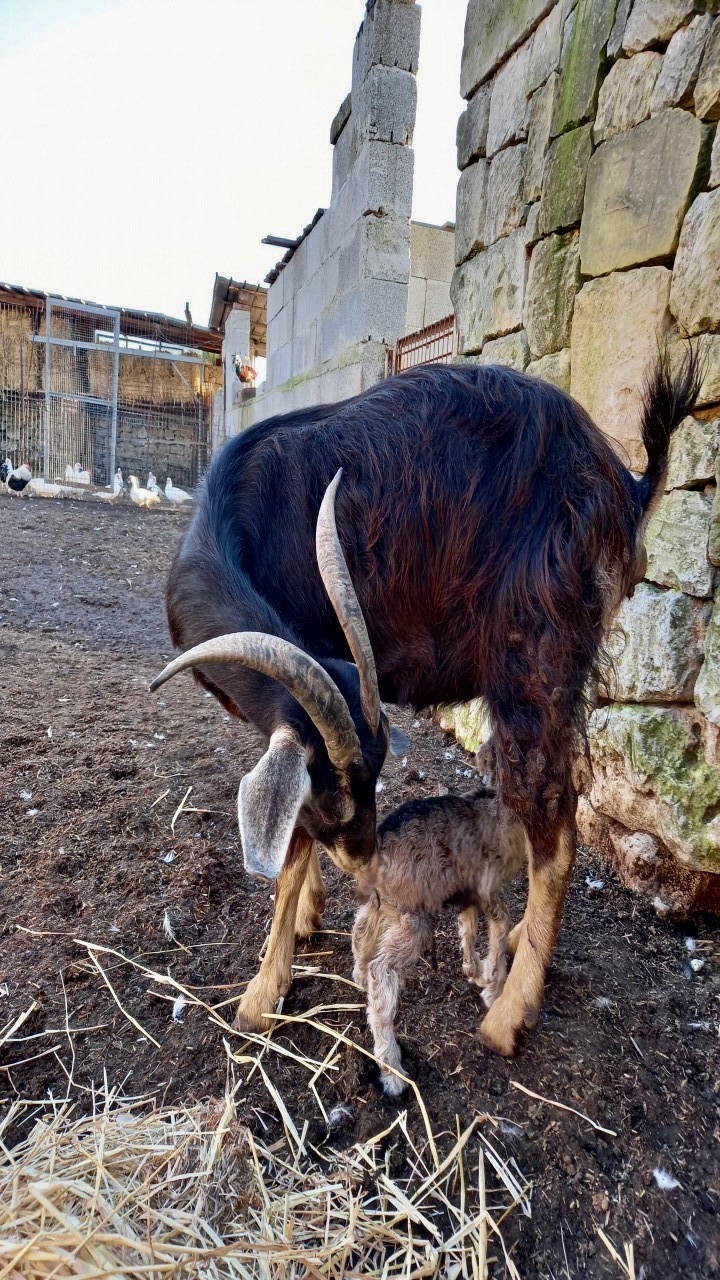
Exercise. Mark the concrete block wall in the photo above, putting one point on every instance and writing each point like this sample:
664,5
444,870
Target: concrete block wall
432,260
588,228
342,297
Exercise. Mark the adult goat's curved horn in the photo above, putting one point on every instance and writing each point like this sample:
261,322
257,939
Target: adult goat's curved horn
301,675
339,586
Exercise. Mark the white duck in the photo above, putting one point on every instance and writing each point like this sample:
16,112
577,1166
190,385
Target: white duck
152,484
174,494
141,497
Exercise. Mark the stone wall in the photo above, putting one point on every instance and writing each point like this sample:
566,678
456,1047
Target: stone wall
587,229
342,296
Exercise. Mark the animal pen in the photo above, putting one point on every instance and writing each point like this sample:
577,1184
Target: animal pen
105,387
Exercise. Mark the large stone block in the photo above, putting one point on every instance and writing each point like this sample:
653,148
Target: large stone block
693,453
656,646
626,94
655,772
472,128
638,188
539,120
553,281
492,29
653,22
563,188
677,543
386,106
554,368
389,36
470,210
546,48
680,65
617,324
512,350
469,722
695,293
508,103
505,207
714,535
707,689
644,864
707,89
709,347
582,63
488,291
622,14
715,161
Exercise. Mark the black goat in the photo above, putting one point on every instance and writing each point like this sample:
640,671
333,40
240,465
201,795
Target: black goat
490,531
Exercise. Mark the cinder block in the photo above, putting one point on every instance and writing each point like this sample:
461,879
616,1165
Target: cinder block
384,304
275,297
389,35
385,105
385,248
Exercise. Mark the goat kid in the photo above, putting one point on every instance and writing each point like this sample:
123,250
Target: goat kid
443,851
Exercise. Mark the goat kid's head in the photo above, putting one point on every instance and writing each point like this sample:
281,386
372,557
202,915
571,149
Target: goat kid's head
323,780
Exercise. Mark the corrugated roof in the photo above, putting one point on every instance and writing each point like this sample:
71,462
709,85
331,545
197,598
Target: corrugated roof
152,325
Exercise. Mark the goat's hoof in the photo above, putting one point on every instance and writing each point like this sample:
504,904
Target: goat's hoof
307,924
392,1086
253,1010
500,1029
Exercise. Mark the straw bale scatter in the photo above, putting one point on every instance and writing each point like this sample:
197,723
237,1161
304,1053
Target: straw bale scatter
133,1191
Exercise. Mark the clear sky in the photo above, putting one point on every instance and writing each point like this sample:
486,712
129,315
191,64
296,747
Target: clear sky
147,144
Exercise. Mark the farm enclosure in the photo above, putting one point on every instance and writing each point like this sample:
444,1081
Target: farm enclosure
95,769
81,382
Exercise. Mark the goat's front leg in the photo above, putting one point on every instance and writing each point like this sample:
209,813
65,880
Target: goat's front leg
275,973
312,900
367,929
402,943
519,1004
495,963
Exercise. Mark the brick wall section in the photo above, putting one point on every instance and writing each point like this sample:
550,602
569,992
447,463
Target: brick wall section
588,227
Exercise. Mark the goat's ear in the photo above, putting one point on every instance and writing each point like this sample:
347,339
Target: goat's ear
398,742
269,801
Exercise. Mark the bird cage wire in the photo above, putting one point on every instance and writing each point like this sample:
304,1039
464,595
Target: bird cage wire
75,389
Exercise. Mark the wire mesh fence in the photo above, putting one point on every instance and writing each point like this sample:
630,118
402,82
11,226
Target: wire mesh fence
78,394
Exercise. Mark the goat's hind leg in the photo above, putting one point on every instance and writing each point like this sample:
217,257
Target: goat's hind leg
402,943
472,962
311,906
495,963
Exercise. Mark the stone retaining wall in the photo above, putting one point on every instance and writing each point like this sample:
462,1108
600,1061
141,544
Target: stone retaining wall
588,229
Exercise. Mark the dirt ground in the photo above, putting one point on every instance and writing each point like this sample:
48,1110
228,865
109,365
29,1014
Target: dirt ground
94,768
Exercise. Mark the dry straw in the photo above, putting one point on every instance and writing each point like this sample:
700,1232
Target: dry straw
132,1191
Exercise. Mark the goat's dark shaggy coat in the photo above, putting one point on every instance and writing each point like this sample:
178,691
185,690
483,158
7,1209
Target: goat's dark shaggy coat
486,523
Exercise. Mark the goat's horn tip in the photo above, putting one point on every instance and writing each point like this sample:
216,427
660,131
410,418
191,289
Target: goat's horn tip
155,684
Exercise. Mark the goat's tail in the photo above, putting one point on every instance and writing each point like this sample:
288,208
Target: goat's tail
667,399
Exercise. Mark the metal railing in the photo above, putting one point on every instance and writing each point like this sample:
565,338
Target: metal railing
432,345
